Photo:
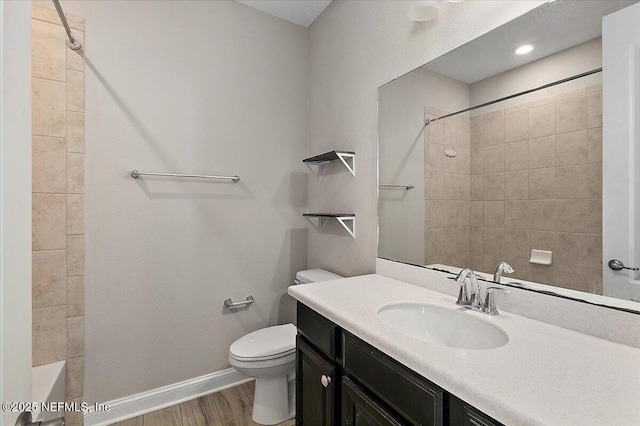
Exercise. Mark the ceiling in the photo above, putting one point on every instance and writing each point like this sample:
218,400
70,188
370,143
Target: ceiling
550,28
301,12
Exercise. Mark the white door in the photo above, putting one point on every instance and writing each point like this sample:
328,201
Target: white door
621,152
15,205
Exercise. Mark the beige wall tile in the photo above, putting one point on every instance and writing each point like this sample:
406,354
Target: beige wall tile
449,164
542,152
542,183
49,221
48,51
456,187
516,214
540,240
75,296
594,88
542,121
578,279
75,214
434,185
49,167
75,91
449,128
49,108
49,278
463,135
75,378
75,337
75,58
477,261
493,158
581,250
476,239
494,214
75,255
493,241
594,110
434,157
571,115
477,161
436,132
594,145
542,214
544,274
74,418
75,22
75,131
571,148
45,14
516,155
494,186
434,211
516,108
477,187
494,131
516,185
49,335
516,247
463,161
434,241
542,101
594,180
579,216
476,213
477,134
493,114
75,173
516,126
571,94
572,182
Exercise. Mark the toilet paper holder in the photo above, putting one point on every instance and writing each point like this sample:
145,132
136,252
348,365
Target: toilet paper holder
231,304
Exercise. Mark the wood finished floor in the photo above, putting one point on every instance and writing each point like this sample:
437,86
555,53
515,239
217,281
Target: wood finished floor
229,407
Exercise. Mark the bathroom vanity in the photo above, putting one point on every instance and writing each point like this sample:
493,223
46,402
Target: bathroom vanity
353,368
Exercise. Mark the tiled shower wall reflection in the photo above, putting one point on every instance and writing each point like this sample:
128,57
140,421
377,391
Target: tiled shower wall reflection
58,200
535,183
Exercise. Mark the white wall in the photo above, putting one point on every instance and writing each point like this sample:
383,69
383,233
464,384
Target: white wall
401,105
211,87
15,205
355,47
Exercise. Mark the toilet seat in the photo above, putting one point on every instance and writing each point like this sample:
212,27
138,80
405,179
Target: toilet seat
265,344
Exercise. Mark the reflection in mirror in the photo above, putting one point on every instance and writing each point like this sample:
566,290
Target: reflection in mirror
473,172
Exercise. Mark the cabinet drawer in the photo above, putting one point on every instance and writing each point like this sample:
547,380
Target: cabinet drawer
360,409
462,414
415,399
324,334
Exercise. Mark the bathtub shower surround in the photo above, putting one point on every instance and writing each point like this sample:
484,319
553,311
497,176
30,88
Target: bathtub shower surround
526,177
58,199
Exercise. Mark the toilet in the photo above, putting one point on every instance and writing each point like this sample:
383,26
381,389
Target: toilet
269,356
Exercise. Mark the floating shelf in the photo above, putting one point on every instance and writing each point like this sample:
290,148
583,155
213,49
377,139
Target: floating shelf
347,158
342,219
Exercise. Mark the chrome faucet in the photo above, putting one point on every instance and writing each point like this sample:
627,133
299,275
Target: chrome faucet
475,301
502,267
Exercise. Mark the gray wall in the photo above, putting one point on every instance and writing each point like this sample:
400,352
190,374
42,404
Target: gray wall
355,47
192,87
401,114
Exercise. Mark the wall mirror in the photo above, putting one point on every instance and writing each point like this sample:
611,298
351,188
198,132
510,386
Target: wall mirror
493,153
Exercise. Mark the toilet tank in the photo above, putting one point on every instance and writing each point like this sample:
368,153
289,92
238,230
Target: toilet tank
315,275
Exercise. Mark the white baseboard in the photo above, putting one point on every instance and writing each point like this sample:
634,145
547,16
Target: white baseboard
156,399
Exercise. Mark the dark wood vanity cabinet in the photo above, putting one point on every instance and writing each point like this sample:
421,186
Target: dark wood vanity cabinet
342,380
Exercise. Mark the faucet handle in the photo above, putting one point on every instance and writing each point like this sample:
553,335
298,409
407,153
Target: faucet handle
461,278
489,305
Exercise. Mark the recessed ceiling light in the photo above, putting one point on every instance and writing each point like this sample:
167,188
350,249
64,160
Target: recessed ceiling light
524,49
423,11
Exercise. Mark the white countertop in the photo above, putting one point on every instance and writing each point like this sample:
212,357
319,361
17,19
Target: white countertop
545,375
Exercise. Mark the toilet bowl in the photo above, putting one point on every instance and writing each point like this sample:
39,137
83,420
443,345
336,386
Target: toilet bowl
269,356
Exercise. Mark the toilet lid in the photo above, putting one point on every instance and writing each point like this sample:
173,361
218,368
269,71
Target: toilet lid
266,343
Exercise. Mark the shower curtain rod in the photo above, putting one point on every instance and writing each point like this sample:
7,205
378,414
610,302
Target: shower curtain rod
506,98
73,43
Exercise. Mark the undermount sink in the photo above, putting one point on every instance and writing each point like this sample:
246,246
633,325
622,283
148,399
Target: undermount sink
444,326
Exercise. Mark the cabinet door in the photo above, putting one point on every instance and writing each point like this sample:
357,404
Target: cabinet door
462,414
359,409
317,382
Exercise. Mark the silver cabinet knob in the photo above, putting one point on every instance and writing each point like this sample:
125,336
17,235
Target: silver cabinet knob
325,380
617,265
